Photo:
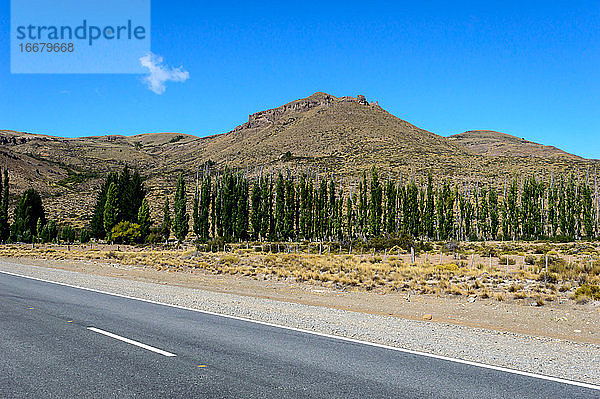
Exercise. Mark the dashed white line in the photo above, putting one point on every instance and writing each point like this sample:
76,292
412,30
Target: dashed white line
132,342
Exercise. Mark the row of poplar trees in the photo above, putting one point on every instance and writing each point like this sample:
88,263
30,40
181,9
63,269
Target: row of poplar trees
231,206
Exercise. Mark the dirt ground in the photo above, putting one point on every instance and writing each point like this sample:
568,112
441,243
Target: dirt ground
558,319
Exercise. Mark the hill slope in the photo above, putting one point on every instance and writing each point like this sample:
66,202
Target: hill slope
320,133
490,143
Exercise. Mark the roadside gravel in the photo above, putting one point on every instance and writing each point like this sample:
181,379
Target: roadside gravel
552,357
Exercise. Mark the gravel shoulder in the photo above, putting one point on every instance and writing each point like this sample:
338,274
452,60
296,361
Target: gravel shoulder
388,319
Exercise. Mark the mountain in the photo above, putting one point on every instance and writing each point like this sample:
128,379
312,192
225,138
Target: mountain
490,143
320,134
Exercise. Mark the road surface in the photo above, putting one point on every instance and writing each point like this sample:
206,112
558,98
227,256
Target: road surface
58,341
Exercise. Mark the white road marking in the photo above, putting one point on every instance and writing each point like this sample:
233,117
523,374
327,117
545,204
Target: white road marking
412,352
132,342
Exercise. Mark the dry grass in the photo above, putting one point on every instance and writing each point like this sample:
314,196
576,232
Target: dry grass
344,272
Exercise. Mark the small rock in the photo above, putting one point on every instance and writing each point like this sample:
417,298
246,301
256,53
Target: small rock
427,316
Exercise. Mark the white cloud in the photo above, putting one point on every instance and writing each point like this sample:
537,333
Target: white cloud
161,73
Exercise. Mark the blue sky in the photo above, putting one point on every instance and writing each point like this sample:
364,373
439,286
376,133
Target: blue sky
525,68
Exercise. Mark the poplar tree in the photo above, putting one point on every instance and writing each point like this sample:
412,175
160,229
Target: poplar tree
350,216
144,220
428,214
331,211
441,215
166,223
466,210
483,215
255,216
513,210
375,211
290,208
279,207
390,200
180,216
4,197
362,206
505,219
449,208
587,208
204,205
494,212
411,209
196,213
264,209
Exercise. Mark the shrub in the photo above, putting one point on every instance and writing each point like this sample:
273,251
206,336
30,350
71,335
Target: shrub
588,290
549,277
502,260
67,234
126,233
530,260
84,236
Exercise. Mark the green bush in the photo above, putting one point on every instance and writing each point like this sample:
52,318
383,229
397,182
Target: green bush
49,232
84,236
548,277
126,233
67,234
511,261
590,291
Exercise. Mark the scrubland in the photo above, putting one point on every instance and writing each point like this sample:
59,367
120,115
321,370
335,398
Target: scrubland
532,273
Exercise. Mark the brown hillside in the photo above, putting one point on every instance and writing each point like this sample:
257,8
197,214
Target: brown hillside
490,143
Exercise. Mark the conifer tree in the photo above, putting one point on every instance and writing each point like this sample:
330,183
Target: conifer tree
180,216
111,209
97,222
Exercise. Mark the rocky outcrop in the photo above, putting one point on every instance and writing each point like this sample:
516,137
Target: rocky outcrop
274,115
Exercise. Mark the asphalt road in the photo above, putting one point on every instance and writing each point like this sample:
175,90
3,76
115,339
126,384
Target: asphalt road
47,350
